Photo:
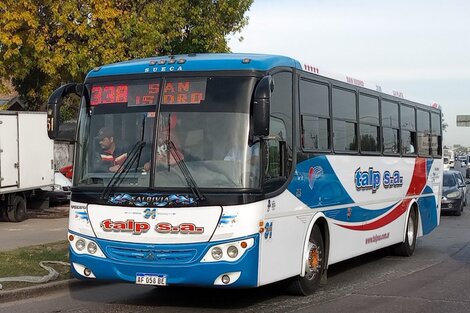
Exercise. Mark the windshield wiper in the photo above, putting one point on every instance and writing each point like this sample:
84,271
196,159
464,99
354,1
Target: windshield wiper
118,177
184,169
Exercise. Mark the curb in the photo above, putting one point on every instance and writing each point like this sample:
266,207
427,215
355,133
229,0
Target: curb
35,291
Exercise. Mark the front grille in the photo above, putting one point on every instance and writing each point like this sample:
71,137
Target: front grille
156,256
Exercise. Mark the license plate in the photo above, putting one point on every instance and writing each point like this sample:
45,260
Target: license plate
150,279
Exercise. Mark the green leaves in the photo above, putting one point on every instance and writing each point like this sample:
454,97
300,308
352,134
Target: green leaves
44,43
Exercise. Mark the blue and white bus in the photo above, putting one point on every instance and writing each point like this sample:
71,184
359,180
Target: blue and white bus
239,170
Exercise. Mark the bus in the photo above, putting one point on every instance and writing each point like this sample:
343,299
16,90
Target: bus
240,170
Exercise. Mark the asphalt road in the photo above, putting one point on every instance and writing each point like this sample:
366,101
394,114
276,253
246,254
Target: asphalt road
48,227
435,279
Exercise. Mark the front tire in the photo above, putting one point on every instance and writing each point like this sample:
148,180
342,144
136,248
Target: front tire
407,247
314,266
459,210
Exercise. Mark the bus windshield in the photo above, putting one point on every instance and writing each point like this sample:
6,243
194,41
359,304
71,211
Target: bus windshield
204,120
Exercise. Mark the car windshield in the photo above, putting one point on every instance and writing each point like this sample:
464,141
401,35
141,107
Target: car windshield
205,120
449,180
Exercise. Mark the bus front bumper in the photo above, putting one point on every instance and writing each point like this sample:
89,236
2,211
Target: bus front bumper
242,273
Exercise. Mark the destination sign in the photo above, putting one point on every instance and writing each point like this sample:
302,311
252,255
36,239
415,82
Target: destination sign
138,93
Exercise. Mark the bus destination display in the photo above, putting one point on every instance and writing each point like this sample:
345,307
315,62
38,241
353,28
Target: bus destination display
175,91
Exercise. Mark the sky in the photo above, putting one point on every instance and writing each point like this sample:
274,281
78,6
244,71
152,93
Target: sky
418,47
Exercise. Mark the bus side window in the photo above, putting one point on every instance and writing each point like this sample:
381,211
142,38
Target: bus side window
274,167
408,133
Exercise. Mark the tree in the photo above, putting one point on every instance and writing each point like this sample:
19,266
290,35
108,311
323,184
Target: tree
44,43
444,123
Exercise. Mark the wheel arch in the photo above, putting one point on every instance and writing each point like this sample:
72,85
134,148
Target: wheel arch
320,220
412,206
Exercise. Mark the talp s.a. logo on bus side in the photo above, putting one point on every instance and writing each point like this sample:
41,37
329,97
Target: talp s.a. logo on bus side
372,180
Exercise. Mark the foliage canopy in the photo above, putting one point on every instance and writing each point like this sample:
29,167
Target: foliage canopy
44,43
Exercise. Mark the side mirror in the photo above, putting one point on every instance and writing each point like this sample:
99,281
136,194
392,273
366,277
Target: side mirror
53,108
261,107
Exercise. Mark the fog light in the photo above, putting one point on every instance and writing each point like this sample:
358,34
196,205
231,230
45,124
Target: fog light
80,244
232,252
216,253
92,248
87,271
226,279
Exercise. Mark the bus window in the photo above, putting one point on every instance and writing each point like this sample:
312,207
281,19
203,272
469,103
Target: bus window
315,115
344,120
436,137
423,132
369,123
390,127
408,133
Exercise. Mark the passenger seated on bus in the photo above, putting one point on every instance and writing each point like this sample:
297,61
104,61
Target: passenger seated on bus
112,154
410,149
162,151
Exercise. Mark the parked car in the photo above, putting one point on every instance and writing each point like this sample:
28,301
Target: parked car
452,194
60,191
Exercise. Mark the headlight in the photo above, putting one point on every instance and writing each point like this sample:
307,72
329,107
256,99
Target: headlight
57,188
92,248
232,251
216,253
80,244
454,195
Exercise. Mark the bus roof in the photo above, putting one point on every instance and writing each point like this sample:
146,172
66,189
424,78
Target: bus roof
227,62
196,62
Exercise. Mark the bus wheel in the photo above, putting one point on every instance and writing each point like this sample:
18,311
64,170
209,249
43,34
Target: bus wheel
17,211
408,247
315,264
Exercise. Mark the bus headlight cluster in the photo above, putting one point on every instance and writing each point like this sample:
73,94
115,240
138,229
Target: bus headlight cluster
82,245
230,252
91,247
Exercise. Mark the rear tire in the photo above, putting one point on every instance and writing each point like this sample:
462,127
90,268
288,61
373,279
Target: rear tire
314,266
407,247
17,212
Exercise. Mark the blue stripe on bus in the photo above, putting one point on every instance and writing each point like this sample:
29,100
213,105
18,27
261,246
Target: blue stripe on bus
428,216
356,214
428,166
322,188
